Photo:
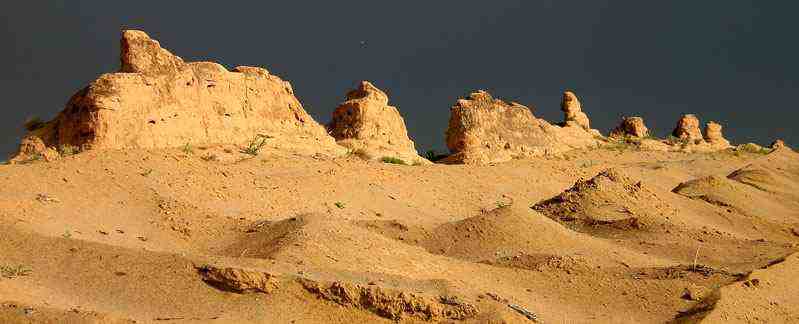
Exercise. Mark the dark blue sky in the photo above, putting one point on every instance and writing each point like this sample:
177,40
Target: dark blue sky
730,61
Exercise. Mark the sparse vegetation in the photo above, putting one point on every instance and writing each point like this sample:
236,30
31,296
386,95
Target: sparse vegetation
67,150
255,145
66,234
188,149
33,158
752,148
621,144
393,160
147,172
339,205
34,123
673,140
14,271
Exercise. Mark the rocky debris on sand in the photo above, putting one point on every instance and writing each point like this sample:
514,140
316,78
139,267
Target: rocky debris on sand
714,137
391,304
610,201
238,280
45,198
573,111
694,292
526,313
632,127
369,127
778,143
483,129
158,100
687,137
543,263
32,147
688,129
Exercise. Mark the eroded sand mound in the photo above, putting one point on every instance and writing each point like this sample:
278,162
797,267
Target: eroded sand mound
513,237
168,235
766,295
368,126
483,129
158,100
753,189
610,201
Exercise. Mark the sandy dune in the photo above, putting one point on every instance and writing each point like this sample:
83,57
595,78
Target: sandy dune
592,236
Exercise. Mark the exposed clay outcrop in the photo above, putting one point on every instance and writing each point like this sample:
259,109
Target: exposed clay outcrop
33,148
778,143
573,110
688,137
158,100
687,129
632,127
368,126
390,304
483,129
238,280
714,136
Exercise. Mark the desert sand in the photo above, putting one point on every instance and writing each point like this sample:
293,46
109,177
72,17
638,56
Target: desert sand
124,236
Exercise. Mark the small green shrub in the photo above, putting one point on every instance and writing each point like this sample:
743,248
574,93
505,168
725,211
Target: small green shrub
34,123
14,271
188,149
393,160
339,205
255,145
